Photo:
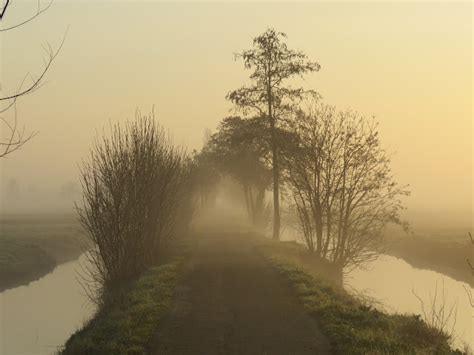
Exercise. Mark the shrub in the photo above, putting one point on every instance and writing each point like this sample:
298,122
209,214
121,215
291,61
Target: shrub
136,187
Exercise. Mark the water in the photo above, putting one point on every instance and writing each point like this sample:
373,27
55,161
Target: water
40,317
392,281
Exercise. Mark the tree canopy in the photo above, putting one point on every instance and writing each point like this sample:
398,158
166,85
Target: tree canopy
269,98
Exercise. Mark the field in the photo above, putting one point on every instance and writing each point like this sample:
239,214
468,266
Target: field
32,245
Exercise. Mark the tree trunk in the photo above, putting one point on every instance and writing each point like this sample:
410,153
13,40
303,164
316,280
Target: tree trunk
276,168
276,182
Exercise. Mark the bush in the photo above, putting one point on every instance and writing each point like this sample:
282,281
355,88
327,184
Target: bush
136,187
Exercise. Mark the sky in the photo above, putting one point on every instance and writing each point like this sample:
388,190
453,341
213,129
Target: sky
409,64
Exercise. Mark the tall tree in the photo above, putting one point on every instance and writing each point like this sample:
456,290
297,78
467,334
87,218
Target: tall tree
273,63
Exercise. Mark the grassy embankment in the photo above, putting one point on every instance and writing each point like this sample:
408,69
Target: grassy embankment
32,246
351,326
127,324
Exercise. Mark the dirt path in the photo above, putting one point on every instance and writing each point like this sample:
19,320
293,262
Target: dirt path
231,302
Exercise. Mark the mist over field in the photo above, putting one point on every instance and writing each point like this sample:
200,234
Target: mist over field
412,73
236,177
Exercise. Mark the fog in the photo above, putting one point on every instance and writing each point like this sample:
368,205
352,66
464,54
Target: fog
404,63
225,210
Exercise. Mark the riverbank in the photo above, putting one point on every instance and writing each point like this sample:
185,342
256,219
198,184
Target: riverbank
127,322
351,325
39,317
430,246
438,254
31,246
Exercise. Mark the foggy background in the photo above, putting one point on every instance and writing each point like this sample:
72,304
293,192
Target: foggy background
405,63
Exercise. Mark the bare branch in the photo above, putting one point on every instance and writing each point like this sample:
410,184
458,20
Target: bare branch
17,138
341,183
439,314
469,294
4,9
29,19
36,82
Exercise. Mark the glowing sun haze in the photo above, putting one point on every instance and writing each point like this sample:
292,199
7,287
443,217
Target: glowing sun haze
409,64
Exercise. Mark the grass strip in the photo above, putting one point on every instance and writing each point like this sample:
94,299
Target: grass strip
128,324
351,326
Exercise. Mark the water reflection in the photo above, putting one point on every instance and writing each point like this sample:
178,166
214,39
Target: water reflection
390,281
40,317
37,318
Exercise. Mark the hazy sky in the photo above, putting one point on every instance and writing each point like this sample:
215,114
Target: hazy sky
407,63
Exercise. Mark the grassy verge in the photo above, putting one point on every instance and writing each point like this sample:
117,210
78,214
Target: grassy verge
128,324
351,326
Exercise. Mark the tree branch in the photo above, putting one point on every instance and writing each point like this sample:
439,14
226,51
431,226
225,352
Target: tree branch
31,18
36,82
4,9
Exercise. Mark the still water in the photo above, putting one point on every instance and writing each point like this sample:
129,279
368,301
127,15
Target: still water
40,317
390,283
393,282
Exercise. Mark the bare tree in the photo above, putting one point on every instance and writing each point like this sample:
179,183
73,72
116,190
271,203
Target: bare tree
273,63
15,137
136,187
342,185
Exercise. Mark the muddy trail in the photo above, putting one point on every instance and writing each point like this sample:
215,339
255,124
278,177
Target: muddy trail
230,301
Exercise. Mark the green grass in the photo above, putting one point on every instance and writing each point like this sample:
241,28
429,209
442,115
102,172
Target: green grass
351,326
128,324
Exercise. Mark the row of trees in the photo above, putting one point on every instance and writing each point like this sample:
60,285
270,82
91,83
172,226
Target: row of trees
238,151
328,163
136,198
